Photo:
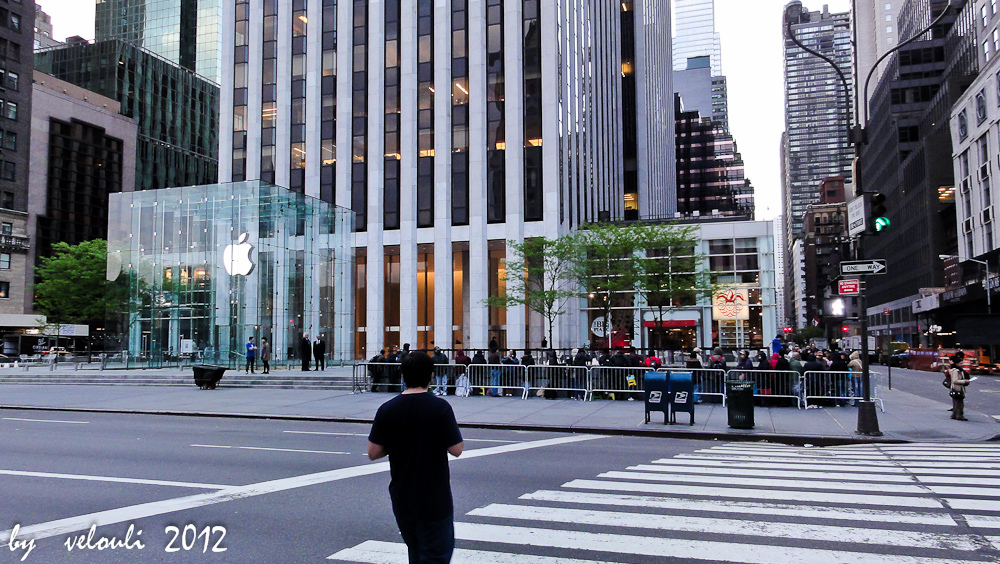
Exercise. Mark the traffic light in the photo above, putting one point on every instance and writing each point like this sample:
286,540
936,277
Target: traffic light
845,328
877,219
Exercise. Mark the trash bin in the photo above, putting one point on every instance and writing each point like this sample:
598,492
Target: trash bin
681,387
657,394
207,376
739,400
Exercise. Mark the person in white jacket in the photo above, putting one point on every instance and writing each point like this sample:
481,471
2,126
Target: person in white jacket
959,381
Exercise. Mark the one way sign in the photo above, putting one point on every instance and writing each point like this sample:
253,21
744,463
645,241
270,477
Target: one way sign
875,266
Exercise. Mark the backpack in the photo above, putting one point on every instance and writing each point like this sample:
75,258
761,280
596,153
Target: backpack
718,362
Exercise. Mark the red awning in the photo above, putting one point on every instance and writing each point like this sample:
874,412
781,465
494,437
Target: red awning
672,323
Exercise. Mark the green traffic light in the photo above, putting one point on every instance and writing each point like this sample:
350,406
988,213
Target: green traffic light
881,223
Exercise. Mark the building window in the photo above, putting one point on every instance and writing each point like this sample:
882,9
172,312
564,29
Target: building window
496,144
986,51
12,81
888,6
15,22
980,107
6,228
984,14
7,200
425,113
390,187
11,111
888,29
963,125
5,290
532,66
7,170
993,6
4,261
460,113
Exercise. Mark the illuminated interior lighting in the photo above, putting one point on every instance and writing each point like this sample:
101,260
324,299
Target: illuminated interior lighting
459,85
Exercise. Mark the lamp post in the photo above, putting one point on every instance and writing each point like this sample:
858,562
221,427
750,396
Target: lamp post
867,415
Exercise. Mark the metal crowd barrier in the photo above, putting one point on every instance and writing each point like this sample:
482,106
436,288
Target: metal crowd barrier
572,379
497,379
616,380
772,383
841,387
378,377
707,381
449,377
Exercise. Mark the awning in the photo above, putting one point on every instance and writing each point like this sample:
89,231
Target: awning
672,323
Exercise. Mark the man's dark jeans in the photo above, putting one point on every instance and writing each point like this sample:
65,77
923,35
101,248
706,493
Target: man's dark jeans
430,542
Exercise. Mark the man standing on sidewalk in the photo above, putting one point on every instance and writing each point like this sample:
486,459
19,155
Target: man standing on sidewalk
319,353
251,356
305,351
418,431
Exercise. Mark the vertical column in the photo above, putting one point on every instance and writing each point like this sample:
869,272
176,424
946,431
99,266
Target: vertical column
514,153
478,253
408,175
373,163
443,267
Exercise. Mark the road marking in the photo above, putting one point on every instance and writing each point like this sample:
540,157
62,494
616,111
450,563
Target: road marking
45,420
731,471
995,541
857,464
755,494
274,449
112,479
767,482
366,435
823,467
983,521
727,527
144,510
683,549
378,552
753,508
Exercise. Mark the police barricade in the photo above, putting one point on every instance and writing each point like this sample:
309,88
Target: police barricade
449,377
772,383
838,387
841,387
377,377
497,379
550,378
617,380
707,382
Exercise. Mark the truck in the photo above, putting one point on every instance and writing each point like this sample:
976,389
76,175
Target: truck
853,343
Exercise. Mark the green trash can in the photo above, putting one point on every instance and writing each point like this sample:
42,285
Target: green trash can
739,401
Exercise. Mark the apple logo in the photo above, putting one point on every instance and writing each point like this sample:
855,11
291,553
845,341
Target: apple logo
236,258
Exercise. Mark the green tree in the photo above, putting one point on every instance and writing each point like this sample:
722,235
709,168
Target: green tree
605,267
539,276
71,283
667,267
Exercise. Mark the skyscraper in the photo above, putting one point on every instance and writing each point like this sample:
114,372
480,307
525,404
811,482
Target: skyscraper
695,35
876,30
818,111
185,32
450,129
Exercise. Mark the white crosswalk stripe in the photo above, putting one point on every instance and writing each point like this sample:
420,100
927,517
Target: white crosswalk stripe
748,503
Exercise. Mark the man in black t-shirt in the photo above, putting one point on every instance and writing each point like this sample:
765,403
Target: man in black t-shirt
418,431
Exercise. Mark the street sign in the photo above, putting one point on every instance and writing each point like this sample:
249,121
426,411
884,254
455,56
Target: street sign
849,287
856,216
886,311
875,266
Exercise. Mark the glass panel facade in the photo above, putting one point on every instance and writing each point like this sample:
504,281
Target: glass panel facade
197,270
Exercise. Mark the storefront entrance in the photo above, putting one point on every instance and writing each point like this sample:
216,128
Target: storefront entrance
671,335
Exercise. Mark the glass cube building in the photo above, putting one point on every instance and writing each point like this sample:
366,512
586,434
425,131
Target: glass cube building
194,271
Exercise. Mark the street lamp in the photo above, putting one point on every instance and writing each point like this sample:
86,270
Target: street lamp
867,416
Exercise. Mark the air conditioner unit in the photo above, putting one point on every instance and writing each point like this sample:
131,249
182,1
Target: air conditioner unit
984,171
965,185
987,215
967,225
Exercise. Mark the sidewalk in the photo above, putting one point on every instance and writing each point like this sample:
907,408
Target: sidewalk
908,417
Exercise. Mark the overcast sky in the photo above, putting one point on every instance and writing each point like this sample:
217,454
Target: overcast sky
751,60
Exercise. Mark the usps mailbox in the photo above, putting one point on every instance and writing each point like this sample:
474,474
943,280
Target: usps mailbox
657,394
681,391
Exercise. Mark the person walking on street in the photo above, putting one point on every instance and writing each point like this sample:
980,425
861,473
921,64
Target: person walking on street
959,380
319,353
305,351
265,355
251,356
418,431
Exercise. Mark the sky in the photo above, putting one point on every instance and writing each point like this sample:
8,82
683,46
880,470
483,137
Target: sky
751,61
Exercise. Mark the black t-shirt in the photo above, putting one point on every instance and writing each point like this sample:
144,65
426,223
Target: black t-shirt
417,430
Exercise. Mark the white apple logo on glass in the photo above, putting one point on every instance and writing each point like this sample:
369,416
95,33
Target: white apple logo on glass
236,258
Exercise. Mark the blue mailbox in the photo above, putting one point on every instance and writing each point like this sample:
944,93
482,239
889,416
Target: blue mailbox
681,392
657,394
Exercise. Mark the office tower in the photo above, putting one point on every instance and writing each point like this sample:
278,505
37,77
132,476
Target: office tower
710,175
875,33
43,29
177,110
909,156
451,128
184,32
695,35
817,109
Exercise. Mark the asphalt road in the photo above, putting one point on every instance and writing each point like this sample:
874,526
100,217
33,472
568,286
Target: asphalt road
299,492
982,396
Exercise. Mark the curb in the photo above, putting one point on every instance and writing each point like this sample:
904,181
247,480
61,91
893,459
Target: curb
794,440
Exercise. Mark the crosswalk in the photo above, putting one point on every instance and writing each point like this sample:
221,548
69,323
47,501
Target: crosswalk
753,503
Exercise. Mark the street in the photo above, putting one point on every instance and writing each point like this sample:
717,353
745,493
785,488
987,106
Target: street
983,395
205,489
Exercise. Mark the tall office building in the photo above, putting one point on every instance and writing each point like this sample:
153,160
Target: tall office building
695,35
177,110
43,30
818,112
403,112
876,31
185,32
